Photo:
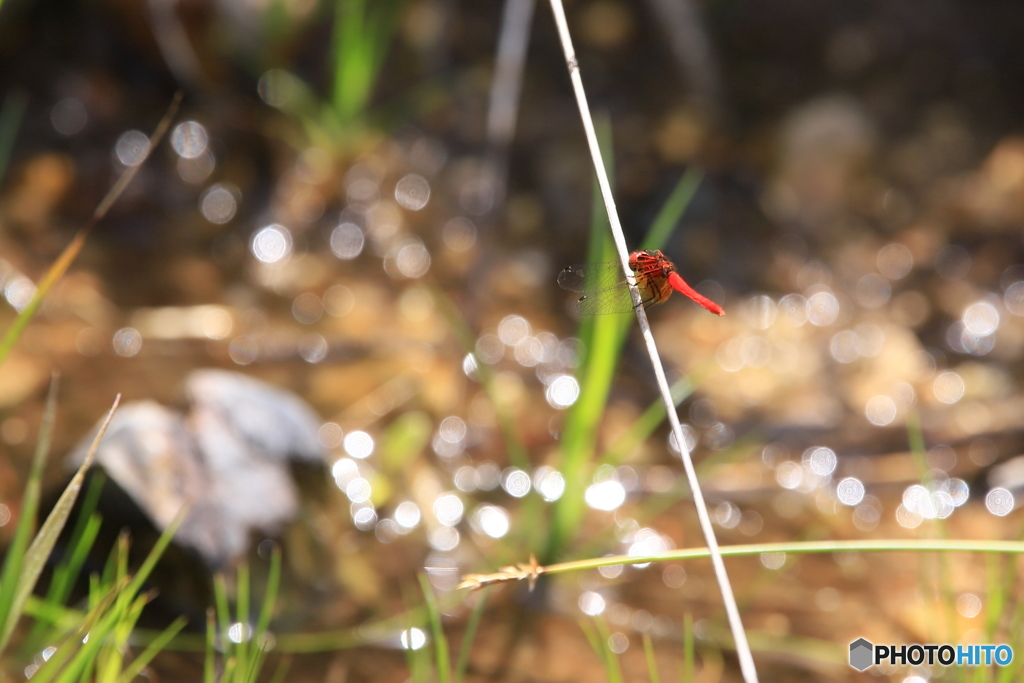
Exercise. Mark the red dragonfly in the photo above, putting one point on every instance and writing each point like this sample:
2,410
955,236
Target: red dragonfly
604,289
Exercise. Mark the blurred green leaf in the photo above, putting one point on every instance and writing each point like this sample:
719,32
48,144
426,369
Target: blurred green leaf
404,440
363,30
652,664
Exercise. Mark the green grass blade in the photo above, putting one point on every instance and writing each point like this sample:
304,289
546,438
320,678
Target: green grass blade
612,664
467,638
110,663
229,669
73,628
71,645
220,596
42,545
208,661
50,615
687,670
1011,673
151,651
673,208
257,655
644,426
55,272
363,30
282,670
444,667
110,567
158,549
995,603
87,657
652,665
65,575
124,542
263,621
242,649
12,579
270,596
82,537
602,337
594,639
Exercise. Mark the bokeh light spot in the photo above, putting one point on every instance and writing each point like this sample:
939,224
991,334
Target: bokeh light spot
132,148
127,342
894,261
412,192
606,495
880,410
347,241
850,491
822,309
491,520
448,509
413,639
189,139
358,444
271,244
69,116
999,502
218,204
981,318
948,387
562,392
515,482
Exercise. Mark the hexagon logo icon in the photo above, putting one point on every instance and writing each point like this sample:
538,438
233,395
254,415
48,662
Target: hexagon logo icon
861,654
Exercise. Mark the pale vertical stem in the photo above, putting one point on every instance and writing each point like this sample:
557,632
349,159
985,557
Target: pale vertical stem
503,108
732,611
508,71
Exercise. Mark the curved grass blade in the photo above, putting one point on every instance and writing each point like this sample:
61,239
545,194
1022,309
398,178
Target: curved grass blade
42,544
10,581
151,651
652,664
70,253
444,670
467,638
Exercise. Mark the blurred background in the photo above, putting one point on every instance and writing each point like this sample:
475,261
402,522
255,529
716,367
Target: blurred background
358,205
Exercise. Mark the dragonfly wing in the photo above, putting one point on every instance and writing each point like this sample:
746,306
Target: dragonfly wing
591,277
614,299
617,299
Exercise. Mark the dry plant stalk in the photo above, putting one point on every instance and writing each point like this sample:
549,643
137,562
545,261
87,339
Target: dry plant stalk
746,660
524,570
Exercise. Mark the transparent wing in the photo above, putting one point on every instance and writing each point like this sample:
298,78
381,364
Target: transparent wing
604,288
615,299
591,277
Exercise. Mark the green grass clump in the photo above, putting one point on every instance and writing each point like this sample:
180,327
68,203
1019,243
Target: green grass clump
236,651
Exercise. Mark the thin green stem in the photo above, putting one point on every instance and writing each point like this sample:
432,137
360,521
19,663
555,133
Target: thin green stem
809,547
